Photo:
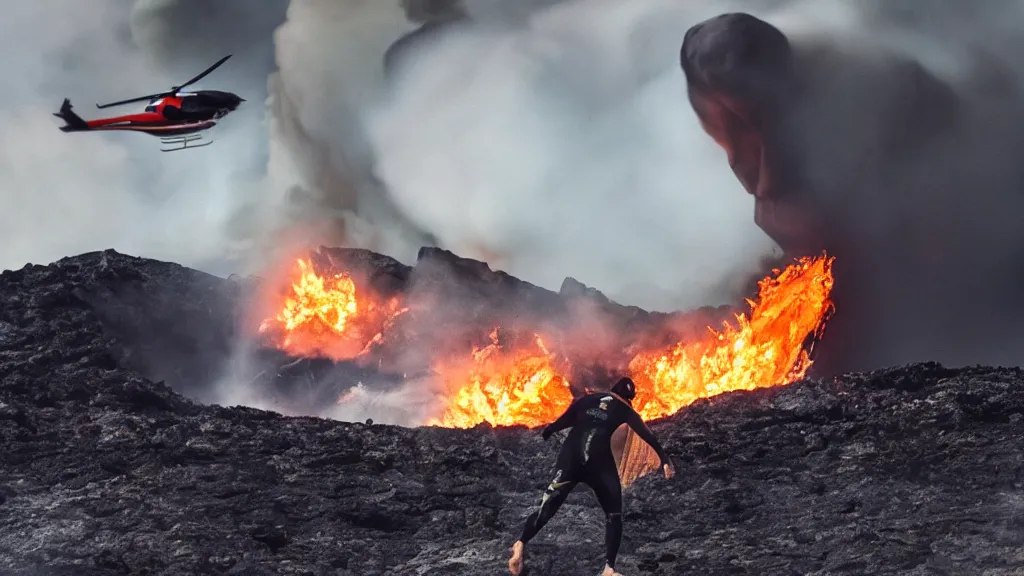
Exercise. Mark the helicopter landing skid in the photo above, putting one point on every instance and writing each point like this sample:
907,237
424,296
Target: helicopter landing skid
184,142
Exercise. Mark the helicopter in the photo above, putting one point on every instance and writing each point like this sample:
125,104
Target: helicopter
176,117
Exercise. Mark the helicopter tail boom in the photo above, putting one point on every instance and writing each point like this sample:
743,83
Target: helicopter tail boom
73,122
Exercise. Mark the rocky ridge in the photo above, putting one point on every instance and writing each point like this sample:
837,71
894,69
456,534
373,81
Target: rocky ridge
105,470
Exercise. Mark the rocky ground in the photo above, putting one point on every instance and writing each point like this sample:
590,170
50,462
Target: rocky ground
912,470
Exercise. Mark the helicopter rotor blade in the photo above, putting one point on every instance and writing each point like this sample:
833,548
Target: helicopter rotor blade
202,74
172,91
133,100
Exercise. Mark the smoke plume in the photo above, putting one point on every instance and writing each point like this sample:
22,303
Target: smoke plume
902,140
553,142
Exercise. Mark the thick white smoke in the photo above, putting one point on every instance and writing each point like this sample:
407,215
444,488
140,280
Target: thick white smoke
330,57
562,144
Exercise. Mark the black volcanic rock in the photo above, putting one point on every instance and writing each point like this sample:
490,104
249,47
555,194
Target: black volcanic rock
172,323
383,274
491,294
909,470
185,328
454,303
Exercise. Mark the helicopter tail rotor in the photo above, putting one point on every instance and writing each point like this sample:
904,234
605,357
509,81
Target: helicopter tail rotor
73,122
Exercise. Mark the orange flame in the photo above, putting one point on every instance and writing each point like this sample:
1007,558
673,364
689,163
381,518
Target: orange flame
526,385
762,350
324,317
766,349
504,389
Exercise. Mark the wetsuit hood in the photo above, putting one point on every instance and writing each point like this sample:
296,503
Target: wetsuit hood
625,388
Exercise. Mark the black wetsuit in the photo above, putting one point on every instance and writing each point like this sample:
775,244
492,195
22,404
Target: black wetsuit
586,457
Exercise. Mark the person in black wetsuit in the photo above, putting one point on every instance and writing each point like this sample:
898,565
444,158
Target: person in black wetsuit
586,457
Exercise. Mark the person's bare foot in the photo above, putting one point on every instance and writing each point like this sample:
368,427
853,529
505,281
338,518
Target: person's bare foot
609,571
515,563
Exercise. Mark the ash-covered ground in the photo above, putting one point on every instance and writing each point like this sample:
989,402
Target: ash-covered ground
909,470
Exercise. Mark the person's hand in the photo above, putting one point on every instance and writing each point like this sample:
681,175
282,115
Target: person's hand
669,471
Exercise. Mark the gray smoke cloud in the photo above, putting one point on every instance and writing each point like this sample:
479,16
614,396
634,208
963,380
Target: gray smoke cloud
179,33
330,72
559,146
550,140
903,138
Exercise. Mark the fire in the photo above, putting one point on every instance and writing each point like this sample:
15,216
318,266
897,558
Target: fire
526,385
506,385
324,316
762,350
503,388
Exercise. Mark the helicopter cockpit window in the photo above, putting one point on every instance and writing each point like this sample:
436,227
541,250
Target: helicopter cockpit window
150,108
190,105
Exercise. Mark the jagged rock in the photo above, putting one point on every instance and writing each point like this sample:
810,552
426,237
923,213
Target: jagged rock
382,274
466,293
192,330
908,470
573,288
169,322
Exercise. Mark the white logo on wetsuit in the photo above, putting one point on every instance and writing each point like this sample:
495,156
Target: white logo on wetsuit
601,412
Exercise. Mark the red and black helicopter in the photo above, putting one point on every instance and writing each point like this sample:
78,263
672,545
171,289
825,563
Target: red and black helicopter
174,116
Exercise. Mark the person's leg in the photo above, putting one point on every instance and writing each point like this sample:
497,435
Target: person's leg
608,490
555,494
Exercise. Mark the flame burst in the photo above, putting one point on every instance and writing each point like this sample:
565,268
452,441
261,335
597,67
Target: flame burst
522,387
762,350
526,385
322,316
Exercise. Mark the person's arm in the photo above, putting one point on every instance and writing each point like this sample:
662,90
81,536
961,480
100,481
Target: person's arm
566,420
637,424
